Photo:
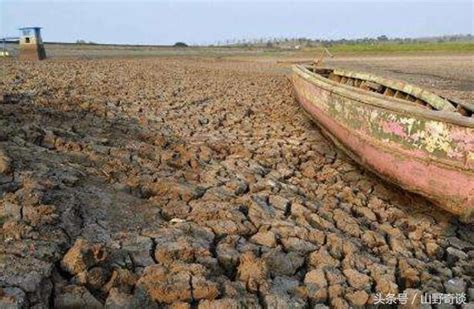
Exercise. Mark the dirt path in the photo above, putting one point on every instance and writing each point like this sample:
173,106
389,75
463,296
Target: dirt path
184,183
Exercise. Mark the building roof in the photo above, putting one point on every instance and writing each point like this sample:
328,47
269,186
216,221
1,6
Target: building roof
24,28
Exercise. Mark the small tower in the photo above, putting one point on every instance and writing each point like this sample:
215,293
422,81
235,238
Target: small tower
31,44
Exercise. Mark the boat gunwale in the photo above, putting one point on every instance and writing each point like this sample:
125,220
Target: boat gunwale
380,101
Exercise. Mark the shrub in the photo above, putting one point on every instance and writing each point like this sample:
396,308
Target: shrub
180,44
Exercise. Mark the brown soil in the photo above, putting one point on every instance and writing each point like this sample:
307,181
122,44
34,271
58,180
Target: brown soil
188,182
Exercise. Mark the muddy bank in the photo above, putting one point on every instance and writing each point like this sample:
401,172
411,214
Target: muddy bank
146,183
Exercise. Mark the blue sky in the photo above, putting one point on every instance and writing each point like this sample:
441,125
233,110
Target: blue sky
203,22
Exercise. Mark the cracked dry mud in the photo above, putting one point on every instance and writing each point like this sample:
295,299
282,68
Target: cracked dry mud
144,183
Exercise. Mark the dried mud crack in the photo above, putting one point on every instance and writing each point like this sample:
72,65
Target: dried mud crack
163,183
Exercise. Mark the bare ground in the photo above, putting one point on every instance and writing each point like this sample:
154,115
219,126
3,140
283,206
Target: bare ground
191,182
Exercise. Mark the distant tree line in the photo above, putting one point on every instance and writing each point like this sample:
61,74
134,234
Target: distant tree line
308,42
84,42
282,42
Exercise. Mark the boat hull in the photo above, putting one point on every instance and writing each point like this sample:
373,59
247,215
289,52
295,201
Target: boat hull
429,156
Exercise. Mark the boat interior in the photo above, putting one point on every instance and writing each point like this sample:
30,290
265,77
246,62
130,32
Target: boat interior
386,88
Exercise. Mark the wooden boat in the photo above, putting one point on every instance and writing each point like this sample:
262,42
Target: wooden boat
407,135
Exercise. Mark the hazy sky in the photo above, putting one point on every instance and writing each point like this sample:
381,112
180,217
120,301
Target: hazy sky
194,21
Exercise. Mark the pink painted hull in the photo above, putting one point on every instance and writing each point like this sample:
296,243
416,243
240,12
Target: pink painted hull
438,165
